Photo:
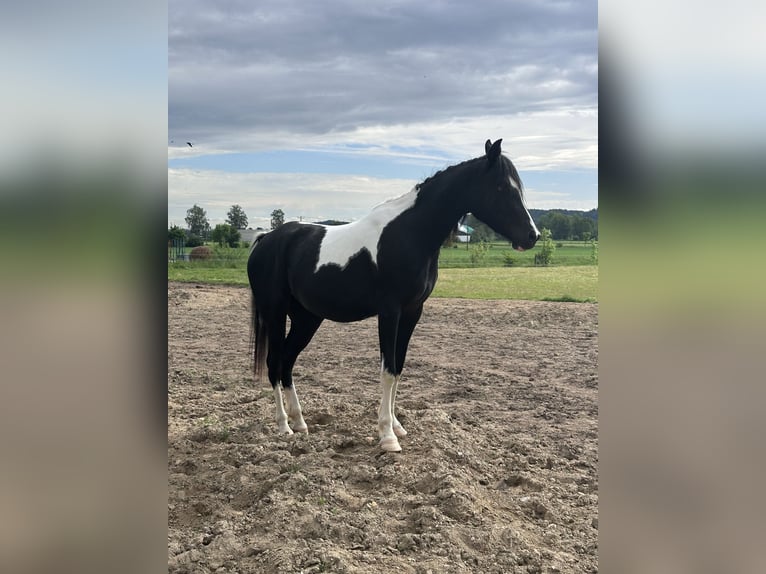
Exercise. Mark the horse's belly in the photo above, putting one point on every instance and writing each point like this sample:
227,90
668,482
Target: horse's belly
338,294
339,305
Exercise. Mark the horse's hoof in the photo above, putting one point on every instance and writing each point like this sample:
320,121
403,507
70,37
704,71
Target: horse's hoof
390,444
399,431
285,431
304,429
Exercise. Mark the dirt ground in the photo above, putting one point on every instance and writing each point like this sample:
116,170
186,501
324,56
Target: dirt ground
498,472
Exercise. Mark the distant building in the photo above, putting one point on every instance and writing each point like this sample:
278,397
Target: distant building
249,234
464,233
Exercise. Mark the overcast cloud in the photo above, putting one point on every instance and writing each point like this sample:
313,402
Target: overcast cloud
418,84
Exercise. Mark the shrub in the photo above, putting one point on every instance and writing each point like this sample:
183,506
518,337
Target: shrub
193,240
175,232
478,252
508,259
200,253
225,234
545,255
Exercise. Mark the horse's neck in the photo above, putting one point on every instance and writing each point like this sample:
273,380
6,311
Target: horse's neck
441,206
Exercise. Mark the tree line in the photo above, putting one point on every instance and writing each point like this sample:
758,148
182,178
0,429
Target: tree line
569,225
198,228
563,225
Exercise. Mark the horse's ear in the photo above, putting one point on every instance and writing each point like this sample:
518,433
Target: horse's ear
493,150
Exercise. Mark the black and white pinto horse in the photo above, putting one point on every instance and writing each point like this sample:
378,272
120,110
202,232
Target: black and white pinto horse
384,264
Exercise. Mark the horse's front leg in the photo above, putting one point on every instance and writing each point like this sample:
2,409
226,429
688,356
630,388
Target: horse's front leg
388,324
399,430
407,322
388,440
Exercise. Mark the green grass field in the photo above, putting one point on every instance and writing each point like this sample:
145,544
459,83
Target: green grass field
568,254
578,283
559,282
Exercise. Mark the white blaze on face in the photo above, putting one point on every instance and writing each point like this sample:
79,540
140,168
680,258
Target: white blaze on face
517,186
532,223
342,242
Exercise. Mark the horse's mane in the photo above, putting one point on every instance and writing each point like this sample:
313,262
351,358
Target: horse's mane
445,171
506,163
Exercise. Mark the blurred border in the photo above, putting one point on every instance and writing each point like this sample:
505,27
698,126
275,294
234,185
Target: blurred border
83,193
682,140
82,189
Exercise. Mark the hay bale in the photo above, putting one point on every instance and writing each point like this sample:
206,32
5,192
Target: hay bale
200,253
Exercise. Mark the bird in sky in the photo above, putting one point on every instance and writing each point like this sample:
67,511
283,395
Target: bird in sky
189,144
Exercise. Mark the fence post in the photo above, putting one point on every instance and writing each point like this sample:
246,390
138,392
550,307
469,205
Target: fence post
176,250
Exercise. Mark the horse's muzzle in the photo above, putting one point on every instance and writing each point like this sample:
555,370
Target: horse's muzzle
529,244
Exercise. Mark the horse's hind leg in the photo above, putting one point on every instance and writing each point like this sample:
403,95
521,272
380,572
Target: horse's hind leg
274,364
282,425
303,326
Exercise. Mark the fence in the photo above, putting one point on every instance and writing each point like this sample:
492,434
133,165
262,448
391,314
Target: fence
176,250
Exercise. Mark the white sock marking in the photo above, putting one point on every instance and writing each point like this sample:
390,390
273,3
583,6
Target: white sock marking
280,411
388,440
342,242
294,413
397,426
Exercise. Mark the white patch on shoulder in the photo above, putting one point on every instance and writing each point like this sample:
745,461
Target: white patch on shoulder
342,242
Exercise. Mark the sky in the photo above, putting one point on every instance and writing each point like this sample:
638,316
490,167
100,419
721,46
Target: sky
325,109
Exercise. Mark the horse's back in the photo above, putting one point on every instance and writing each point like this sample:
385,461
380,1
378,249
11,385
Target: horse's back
273,254
283,267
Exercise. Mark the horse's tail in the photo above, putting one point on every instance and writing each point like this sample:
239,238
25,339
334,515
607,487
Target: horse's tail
259,339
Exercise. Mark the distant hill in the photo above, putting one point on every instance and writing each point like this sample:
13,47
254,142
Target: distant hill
538,213
331,222
535,213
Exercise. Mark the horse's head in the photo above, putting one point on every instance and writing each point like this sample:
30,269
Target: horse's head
497,200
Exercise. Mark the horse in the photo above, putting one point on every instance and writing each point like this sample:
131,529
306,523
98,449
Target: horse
383,264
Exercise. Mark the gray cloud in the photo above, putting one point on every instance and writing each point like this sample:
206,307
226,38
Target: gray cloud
238,68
